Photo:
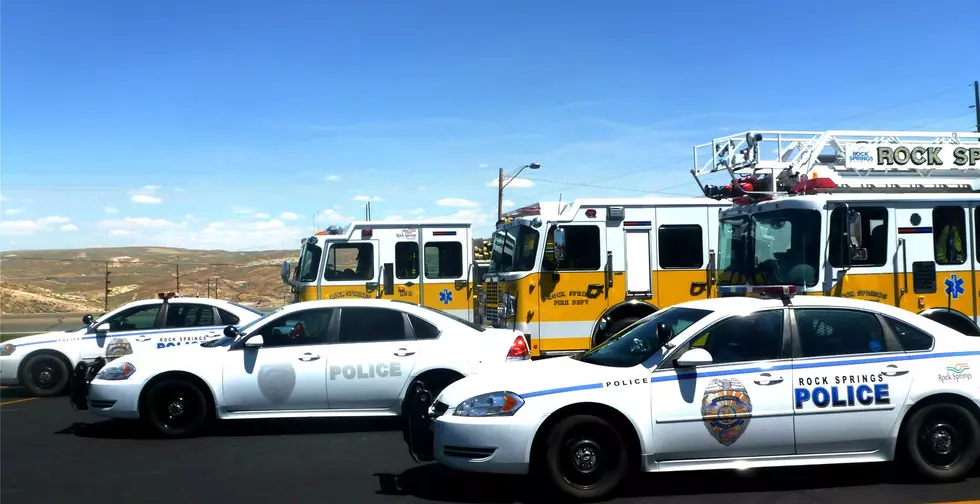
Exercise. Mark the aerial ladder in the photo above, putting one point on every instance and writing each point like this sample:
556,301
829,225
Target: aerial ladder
762,164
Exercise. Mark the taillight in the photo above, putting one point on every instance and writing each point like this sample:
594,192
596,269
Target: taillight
518,351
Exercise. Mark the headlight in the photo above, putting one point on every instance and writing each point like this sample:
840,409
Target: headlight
493,404
7,349
119,371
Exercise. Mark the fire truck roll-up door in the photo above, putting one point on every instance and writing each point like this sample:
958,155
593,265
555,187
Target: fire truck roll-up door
352,269
447,270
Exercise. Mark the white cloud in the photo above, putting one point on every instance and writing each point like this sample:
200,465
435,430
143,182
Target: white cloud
457,202
120,232
145,195
139,224
361,197
484,165
260,215
109,209
26,227
14,211
3,198
517,183
475,216
178,189
508,203
332,178
241,210
331,216
288,216
69,227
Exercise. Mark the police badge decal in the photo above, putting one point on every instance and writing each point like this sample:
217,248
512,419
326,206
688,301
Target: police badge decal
726,409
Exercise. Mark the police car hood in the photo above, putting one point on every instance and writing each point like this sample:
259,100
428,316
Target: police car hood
529,377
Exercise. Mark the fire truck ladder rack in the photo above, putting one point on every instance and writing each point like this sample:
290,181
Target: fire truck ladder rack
762,164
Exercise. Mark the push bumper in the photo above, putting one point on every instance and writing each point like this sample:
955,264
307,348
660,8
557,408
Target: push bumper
81,377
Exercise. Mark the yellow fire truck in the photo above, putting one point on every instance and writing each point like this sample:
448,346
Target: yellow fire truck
886,216
422,262
571,277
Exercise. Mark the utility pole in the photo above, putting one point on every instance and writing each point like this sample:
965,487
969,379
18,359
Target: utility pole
178,277
207,283
976,103
106,307
500,195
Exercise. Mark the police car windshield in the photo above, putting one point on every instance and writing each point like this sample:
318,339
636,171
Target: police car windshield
639,342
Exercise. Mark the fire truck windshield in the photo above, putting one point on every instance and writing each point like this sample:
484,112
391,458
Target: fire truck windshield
514,249
779,247
309,263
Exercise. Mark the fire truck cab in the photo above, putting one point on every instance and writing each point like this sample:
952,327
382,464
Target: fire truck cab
570,276
421,262
885,216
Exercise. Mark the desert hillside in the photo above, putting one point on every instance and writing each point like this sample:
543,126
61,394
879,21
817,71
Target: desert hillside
48,281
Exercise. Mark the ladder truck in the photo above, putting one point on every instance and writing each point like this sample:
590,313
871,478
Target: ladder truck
885,216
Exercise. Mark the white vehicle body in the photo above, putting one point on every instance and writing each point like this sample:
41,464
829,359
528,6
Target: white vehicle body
785,411
336,373
144,325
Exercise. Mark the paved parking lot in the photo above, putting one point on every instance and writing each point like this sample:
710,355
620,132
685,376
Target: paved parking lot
50,453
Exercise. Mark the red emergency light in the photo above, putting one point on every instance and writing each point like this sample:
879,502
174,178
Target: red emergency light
366,233
813,185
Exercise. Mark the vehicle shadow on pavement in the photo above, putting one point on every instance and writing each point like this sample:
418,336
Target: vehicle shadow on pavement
123,429
439,483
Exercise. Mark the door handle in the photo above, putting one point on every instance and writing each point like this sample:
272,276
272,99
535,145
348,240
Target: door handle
307,357
403,352
768,379
892,370
141,338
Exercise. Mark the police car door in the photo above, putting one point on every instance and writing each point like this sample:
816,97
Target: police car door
287,372
738,406
850,380
371,358
129,330
187,323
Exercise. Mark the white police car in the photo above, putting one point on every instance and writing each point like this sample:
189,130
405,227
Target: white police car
735,382
350,357
42,362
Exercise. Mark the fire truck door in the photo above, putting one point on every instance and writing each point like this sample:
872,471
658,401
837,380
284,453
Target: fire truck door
408,267
352,270
974,255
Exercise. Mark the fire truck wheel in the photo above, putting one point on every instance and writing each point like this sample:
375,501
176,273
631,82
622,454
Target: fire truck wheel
613,328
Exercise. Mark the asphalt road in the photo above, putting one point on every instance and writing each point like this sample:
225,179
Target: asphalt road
50,453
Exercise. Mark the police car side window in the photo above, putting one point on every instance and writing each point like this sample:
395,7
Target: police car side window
371,325
141,318
190,315
825,332
307,327
423,329
755,337
228,318
912,339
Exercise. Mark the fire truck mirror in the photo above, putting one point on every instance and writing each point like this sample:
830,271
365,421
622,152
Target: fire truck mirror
389,279
854,231
559,246
284,271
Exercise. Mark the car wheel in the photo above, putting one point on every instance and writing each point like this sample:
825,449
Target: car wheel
45,375
585,458
942,442
614,328
175,408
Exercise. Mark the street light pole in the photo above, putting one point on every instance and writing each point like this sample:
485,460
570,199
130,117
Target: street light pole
501,185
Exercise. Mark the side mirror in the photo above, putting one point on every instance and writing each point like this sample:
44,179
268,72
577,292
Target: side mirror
854,230
284,270
87,319
254,342
664,333
231,331
102,328
558,249
693,358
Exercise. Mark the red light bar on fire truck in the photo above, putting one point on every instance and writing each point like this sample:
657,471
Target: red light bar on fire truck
764,290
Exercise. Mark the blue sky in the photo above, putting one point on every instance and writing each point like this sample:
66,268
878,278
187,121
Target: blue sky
219,124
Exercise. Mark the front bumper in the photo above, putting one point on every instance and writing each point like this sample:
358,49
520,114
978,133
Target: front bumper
104,398
499,445
8,369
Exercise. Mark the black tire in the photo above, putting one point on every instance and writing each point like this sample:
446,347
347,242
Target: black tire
175,408
585,459
45,375
941,442
613,328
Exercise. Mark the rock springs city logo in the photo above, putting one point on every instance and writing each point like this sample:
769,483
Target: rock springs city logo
726,409
956,372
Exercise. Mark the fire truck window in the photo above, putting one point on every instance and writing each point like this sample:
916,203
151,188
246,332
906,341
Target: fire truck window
680,246
406,260
443,260
582,249
949,233
350,261
874,226
309,263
